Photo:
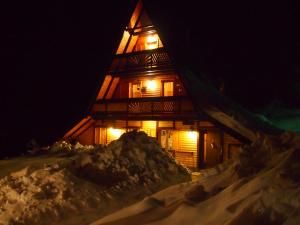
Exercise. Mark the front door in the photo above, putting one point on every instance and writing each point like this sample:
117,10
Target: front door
212,148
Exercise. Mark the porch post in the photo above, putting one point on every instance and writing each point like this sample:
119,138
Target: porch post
201,163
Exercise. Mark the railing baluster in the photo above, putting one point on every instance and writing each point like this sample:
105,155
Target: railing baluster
144,59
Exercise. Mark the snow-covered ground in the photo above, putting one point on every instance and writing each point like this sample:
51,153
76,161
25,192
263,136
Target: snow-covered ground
261,188
284,118
78,184
133,181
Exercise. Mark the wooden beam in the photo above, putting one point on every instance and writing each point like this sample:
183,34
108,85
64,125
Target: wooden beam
145,117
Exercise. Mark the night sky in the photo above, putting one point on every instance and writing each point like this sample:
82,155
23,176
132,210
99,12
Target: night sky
53,54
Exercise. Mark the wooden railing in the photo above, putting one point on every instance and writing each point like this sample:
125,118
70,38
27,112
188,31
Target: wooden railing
148,59
156,105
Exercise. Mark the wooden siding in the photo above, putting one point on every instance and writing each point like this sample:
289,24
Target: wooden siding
155,92
181,125
123,88
132,123
166,124
97,135
103,135
205,124
116,107
120,123
149,127
187,106
186,147
98,108
231,147
100,135
79,128
86,137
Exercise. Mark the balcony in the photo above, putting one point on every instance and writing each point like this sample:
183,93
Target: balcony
156,59
166,107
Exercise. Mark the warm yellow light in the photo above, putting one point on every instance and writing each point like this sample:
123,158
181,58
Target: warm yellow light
152,42
151,39
151,85
116,133
192,135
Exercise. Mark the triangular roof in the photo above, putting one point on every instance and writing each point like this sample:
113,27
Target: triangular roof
206,100
128,44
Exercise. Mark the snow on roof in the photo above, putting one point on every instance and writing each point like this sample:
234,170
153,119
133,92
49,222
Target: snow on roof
223,110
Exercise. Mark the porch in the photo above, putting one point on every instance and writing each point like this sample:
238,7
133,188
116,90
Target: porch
179,106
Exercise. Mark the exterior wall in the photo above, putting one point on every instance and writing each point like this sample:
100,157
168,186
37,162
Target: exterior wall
185,144
212,147
181,139
87,136
231,147
122,90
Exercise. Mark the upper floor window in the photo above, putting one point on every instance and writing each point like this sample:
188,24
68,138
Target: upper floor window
168,88
150,88
148,42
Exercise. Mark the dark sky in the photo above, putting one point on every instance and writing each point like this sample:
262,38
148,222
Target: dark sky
53,54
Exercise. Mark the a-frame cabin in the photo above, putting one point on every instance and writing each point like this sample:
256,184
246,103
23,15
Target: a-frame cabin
142,90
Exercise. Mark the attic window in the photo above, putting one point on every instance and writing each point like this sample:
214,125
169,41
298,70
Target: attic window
148,41
152,42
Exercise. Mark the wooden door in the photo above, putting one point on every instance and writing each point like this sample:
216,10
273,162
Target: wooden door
213,148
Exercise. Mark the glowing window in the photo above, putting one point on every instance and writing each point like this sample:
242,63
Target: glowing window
151,42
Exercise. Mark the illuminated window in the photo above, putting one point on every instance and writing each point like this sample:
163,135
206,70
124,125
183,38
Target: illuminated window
151,85
192,135
168,89
149,127
152,41
144,89
114,134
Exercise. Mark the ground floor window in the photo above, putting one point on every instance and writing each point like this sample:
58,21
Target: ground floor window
107,135
149,127
189,144
182,144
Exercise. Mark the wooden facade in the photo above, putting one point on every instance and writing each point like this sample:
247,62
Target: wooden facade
143,91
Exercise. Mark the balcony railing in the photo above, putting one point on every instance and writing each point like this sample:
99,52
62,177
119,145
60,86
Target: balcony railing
148,59
178,105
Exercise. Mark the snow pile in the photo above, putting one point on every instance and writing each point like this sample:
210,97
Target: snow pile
63,146
101,180
262,187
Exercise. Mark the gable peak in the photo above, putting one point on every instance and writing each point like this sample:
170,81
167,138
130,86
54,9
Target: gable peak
140,33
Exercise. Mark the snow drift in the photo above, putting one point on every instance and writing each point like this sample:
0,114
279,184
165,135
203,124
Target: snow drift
261,188
93,179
